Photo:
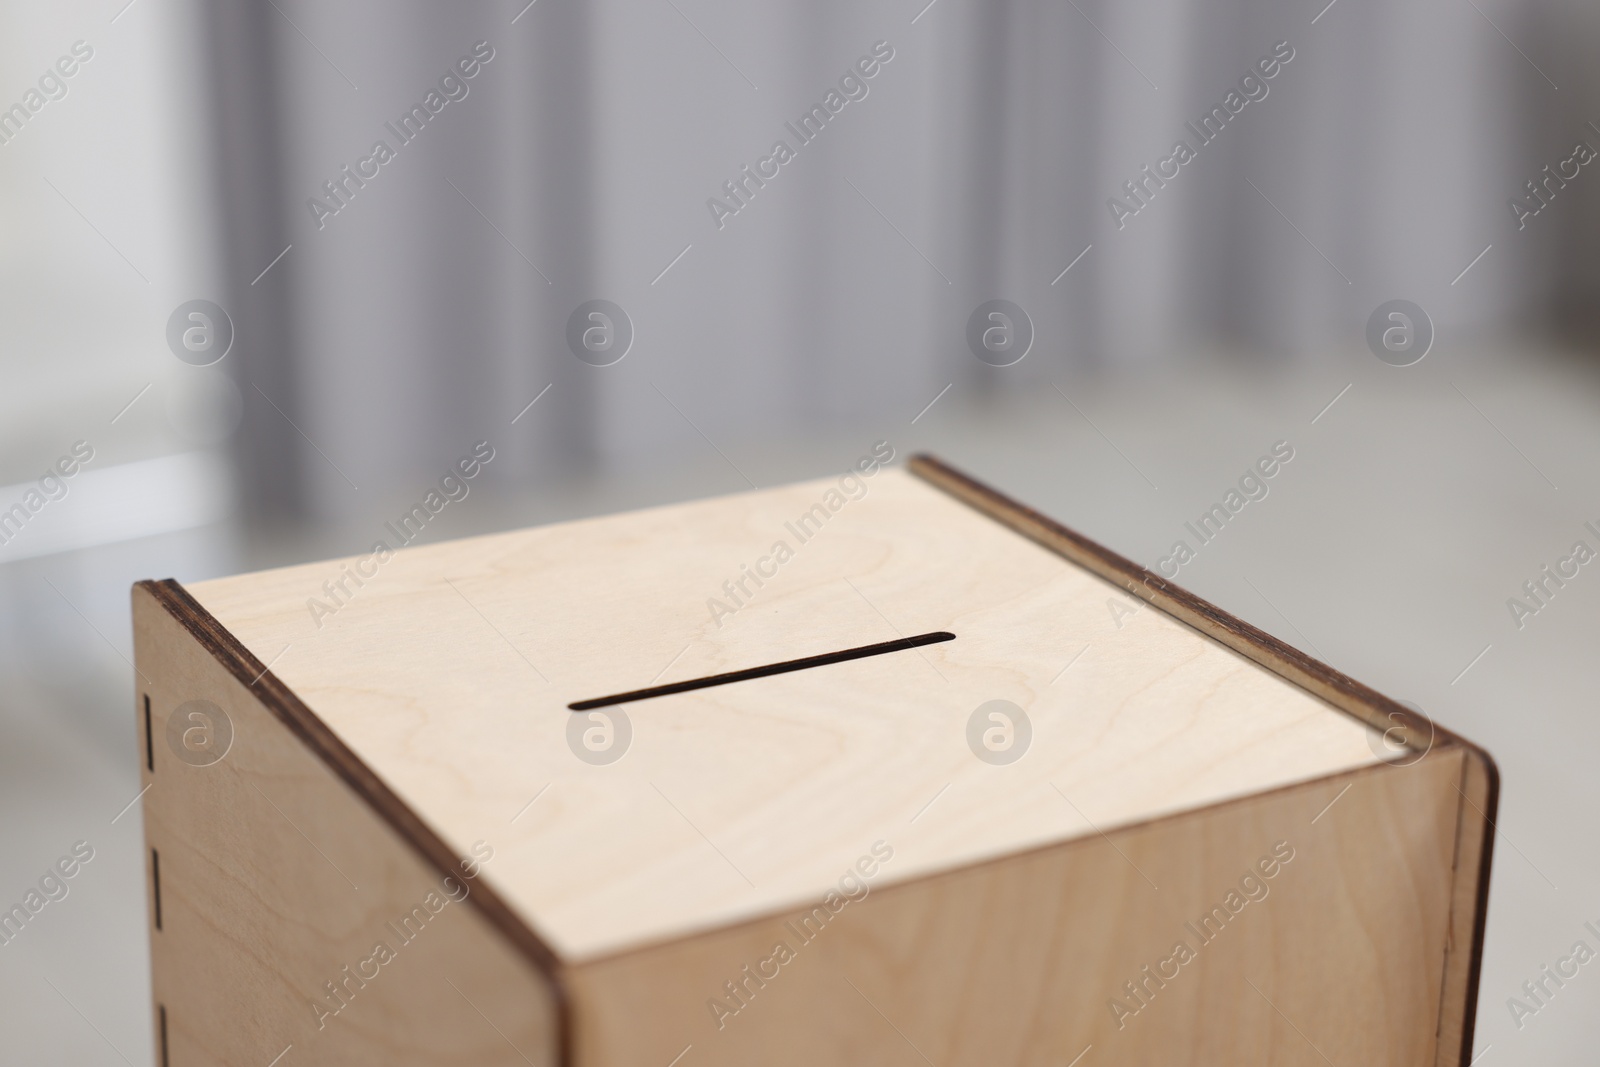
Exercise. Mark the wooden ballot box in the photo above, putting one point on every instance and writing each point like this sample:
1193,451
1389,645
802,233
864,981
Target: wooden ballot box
881,769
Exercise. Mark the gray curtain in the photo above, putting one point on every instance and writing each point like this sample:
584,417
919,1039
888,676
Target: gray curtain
433,306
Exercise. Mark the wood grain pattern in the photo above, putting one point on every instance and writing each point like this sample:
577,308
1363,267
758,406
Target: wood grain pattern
1170,748
1338,958
1479,787
449,674
275,876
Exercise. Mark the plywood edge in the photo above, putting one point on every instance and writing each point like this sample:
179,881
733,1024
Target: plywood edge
1469,907
326,745
1480,786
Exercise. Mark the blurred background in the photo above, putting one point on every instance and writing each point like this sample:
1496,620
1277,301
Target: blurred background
381,312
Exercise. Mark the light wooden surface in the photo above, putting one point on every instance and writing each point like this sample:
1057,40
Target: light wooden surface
274,876
1479,785
1016,962
448,674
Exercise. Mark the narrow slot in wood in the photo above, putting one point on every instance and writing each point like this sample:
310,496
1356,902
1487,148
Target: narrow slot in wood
155,884
784,667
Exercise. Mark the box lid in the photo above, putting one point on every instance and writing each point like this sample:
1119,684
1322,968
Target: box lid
449,670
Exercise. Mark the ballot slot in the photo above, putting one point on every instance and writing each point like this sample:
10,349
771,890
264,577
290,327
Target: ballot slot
882,648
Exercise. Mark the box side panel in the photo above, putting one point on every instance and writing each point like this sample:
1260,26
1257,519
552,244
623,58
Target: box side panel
287,916
1313,922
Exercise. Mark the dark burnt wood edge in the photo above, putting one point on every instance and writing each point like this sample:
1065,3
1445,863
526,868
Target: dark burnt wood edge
316,735
1331,686
1491,807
